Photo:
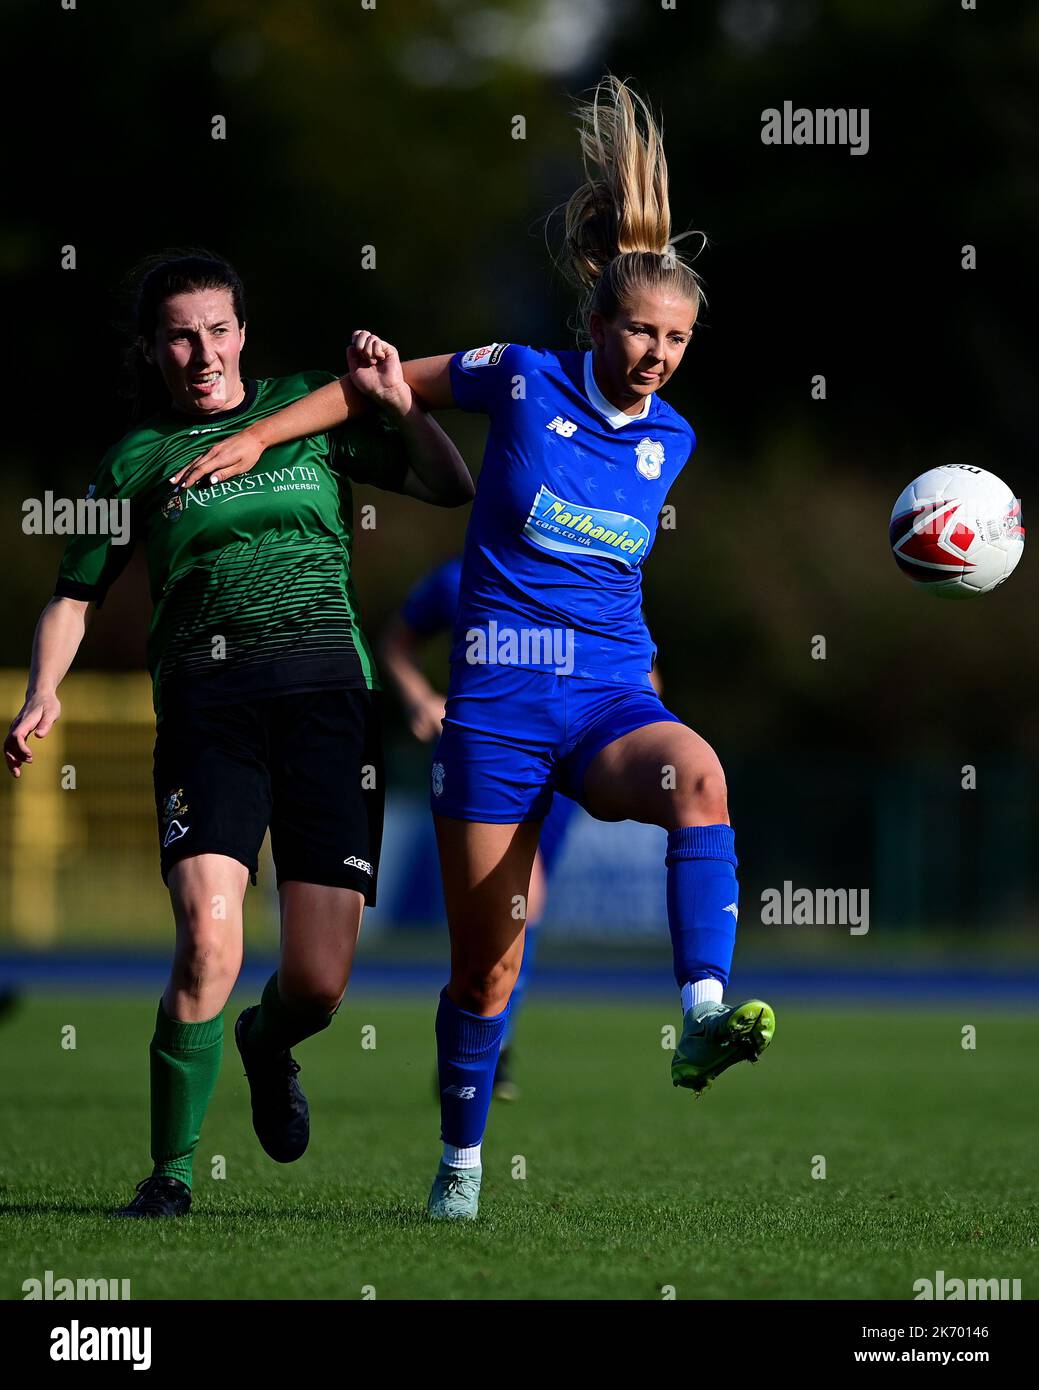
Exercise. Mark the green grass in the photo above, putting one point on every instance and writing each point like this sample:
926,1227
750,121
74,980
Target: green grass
630,1185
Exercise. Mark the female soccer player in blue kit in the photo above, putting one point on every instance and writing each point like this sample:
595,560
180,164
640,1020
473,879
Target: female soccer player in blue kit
550,683
429,609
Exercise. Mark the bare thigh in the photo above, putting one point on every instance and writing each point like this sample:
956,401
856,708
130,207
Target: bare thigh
662,774
319,930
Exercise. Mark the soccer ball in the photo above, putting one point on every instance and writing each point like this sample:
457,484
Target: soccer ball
957,530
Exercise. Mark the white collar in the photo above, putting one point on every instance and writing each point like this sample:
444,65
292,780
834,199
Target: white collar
615,417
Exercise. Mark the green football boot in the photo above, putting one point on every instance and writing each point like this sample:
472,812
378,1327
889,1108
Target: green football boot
455,1195
715,1036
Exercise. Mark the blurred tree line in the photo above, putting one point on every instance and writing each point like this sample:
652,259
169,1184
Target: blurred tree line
393,128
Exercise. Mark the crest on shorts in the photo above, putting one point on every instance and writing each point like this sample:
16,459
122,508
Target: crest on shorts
649,458
173,808
174,805
438,779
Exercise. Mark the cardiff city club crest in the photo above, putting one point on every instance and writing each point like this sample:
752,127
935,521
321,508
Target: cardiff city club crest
649,458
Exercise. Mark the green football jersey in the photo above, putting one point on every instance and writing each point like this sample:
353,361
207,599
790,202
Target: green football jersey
250,579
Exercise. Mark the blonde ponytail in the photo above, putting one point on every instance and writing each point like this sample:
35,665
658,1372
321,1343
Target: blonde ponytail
617,234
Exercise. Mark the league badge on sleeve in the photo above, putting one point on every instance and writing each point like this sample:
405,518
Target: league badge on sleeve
488,356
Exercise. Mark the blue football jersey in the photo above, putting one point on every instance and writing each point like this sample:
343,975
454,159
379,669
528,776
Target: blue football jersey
431,605
565,513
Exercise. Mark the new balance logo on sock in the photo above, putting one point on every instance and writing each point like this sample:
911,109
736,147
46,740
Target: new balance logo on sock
462,1092
733,909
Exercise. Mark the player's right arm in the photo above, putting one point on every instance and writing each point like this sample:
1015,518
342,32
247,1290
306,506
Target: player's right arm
483,380
314,413
430,379
58,634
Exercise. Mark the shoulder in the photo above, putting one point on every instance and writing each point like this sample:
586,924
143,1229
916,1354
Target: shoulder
505,357
292,387
126,456
668,417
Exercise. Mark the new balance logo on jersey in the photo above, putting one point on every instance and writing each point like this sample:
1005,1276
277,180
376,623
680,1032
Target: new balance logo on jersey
462,1092
564,427
354,863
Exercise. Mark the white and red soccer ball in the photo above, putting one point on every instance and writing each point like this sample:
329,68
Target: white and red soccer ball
957,531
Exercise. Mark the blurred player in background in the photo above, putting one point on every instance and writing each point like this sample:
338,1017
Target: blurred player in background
429,610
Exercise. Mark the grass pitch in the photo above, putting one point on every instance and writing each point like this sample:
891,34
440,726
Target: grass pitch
631,1188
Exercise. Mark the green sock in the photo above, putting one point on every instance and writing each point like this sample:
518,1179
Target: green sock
185,1062
282,1023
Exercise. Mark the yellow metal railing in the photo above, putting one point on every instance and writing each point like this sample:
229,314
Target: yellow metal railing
79,854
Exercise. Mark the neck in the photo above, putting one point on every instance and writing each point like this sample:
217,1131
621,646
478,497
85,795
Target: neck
626,401
235,399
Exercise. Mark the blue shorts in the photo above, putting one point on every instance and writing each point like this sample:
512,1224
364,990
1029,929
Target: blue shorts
514,736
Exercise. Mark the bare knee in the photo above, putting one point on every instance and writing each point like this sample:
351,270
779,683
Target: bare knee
701,798
209,950
483,991
322,995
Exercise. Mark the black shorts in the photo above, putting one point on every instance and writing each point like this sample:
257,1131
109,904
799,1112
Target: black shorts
307,765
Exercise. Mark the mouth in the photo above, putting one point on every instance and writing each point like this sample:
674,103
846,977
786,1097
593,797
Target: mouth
646,378
205,383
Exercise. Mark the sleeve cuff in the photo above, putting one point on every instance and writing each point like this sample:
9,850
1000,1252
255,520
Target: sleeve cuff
72,588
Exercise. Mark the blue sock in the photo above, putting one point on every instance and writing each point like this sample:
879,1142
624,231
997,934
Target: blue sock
467,1054
519,989
702,901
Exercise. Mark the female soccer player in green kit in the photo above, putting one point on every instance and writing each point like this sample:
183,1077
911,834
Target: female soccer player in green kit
266,695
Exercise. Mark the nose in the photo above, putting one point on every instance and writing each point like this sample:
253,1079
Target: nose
203,353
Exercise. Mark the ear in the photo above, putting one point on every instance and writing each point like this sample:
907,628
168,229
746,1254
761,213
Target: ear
241,343
144,348
596,329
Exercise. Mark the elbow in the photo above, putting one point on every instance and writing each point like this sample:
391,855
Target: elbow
460,494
